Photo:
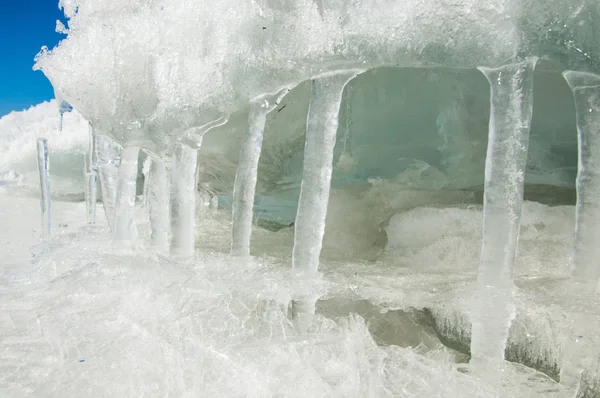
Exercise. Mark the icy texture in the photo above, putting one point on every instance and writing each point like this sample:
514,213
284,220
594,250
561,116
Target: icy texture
44,172
586,91
510,121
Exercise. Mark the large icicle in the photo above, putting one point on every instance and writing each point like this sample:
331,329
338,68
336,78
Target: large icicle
44,172
183,190
91,177
125,228
108,155
183,201
157,199
586,249
247,171
511,89
321,130
586,253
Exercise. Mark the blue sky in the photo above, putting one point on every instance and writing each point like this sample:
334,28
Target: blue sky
25,26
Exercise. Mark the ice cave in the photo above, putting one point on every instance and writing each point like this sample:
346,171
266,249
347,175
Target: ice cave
306,198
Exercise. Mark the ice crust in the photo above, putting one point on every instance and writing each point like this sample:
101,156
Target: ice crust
153,70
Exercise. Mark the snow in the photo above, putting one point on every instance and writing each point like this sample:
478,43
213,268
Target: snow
82,318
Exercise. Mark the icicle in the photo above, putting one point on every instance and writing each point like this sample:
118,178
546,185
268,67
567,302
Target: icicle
60,121
44,171
586,253
247,170
183,201
157,199
511,89
91,176
321,130
183,190
108,157
125,229
585,265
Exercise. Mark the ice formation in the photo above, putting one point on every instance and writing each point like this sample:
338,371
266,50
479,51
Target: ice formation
44,171
349,140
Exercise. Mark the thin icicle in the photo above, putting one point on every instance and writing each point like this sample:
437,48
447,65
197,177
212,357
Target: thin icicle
247,172
125,228
44,172
108,155
321,130
183,201
91,177
511,109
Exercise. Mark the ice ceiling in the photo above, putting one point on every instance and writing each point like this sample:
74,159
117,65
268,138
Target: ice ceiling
148,71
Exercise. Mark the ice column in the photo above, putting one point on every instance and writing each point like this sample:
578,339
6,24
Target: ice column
157,197
125,230
321,130
183,201
108,157
586,249
91,177
511,89
246,174
586,253
44,171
